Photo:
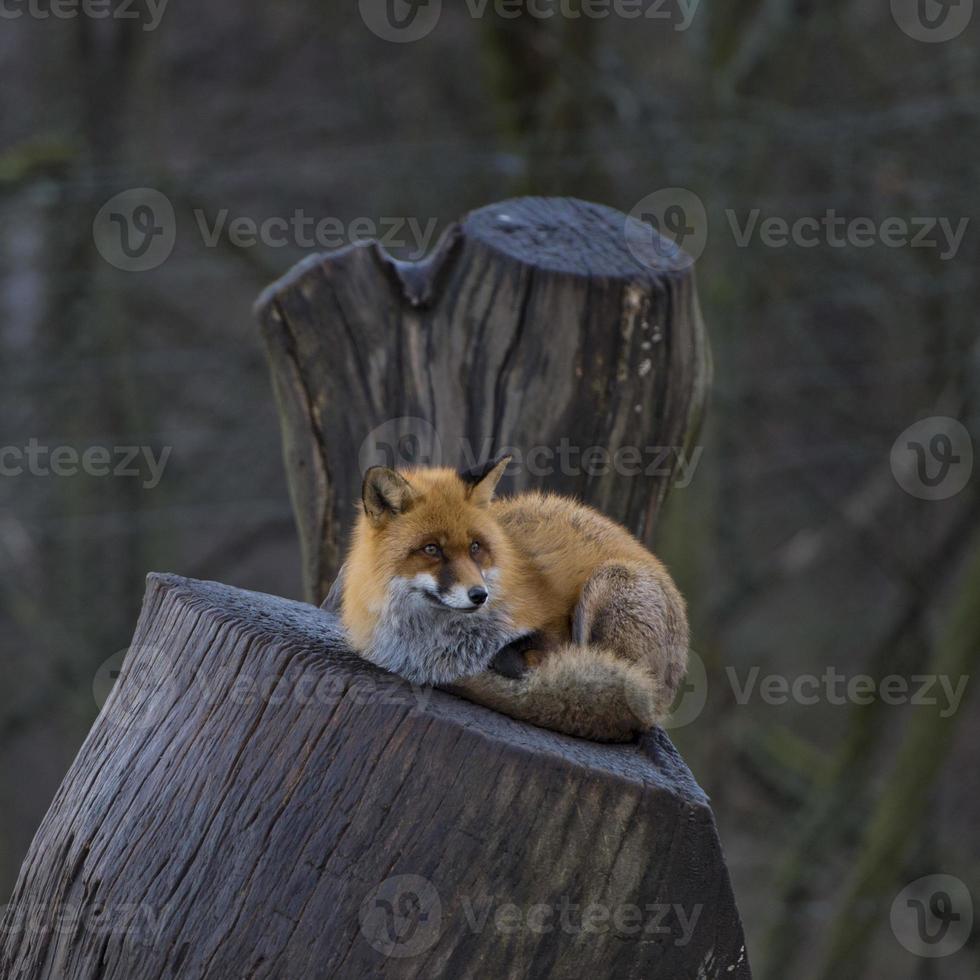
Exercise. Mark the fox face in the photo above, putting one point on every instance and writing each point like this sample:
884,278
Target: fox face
423,594
455,572
433,536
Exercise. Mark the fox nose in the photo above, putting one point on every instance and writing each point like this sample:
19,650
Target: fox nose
478,595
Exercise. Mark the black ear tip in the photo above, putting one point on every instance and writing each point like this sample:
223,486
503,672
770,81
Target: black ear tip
380,475
474,474
384,489
370,479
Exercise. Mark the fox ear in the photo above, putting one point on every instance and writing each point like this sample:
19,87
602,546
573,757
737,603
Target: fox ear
385,494
483,479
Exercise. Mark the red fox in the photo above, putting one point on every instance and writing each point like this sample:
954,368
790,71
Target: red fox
535,605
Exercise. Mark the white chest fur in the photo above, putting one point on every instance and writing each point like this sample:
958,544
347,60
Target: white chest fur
430,644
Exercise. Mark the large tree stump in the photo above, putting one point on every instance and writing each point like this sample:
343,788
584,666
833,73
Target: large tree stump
257,802
254,801
556,327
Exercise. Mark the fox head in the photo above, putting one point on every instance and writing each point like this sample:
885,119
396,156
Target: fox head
425,537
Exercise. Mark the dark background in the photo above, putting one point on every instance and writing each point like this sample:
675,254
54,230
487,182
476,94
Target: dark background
796,545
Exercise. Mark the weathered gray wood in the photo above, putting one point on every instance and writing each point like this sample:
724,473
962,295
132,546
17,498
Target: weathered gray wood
535,324
250,786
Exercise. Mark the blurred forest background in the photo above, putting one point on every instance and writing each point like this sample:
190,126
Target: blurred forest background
795,544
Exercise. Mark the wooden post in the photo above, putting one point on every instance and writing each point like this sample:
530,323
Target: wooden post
256,801
555,327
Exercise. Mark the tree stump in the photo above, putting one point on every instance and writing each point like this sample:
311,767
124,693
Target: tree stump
560,329
254,801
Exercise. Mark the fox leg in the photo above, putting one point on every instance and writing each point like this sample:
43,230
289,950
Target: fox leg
634,612
620,673
516,658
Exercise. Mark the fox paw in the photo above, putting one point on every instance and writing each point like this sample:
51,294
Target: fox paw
510,662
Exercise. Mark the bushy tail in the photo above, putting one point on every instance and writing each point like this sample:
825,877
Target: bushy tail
584,688
579,690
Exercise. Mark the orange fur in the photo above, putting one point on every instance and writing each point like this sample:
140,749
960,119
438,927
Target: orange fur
610,626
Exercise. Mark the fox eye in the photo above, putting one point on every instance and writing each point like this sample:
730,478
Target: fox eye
475,548
432,550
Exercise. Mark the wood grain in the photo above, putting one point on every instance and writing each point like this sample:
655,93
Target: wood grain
534,326
255,801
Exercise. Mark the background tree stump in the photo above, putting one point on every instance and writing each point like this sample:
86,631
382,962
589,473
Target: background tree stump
255,801
548,325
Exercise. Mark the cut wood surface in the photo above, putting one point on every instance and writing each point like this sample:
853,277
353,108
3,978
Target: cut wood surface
254,801
557,328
